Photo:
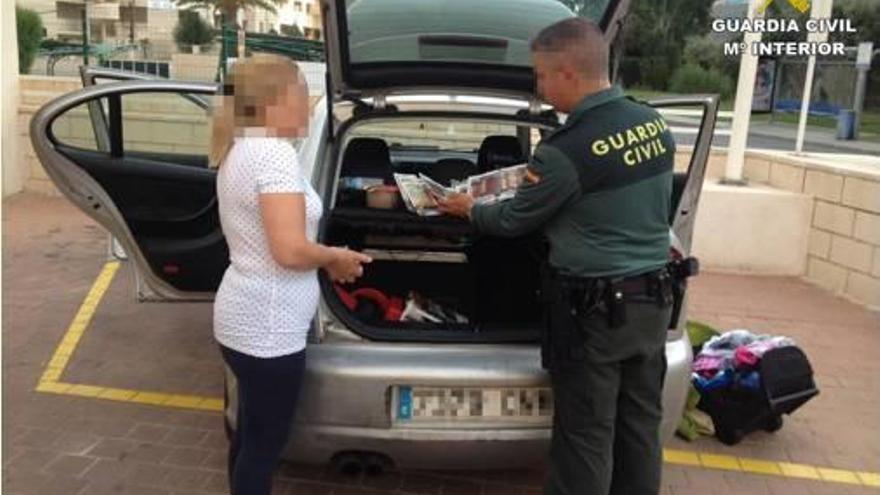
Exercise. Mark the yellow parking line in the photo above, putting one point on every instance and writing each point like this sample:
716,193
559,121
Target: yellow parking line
50,383
720,462
135,396
773,468
869,479
799,471
760,467
80,322
839,476
681,457
50,380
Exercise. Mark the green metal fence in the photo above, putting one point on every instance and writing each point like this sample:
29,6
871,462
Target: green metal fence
296,48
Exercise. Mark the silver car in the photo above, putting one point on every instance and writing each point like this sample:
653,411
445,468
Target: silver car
437,87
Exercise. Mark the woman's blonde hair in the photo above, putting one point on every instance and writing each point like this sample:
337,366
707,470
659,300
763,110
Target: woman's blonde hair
251,85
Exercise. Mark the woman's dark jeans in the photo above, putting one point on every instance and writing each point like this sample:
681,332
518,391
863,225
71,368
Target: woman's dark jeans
268,389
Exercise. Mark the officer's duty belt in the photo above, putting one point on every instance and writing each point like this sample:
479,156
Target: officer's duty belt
634,285
609,295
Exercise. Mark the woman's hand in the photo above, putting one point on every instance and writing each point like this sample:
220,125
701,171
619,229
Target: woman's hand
347,265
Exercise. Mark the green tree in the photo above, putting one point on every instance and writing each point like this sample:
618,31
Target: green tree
655,35
865,16
782,10
192,30
229,8
30,33
586,8
708,52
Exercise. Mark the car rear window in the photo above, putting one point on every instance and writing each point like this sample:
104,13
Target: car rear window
488,31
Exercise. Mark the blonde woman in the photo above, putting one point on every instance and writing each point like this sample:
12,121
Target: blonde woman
269,214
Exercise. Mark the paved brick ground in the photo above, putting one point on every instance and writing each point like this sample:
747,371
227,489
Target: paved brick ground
55,444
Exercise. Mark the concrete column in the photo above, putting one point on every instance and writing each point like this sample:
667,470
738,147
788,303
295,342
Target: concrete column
742,106
12,163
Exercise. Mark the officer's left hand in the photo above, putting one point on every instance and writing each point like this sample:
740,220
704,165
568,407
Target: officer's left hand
458,204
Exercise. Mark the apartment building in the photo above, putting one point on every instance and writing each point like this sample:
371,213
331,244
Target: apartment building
306,14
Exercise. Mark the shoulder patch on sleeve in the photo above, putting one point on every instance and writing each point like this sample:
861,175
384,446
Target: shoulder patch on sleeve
532,176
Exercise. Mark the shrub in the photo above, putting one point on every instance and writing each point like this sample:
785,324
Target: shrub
654,72
191,30
30,33
291,30
708,53
691,78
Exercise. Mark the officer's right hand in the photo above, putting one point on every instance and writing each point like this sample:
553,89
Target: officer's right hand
458,204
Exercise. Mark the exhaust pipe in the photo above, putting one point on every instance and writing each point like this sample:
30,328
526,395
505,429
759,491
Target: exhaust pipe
376,464
348,463
353,463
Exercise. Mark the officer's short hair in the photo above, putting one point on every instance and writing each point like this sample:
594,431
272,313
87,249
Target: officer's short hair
580,39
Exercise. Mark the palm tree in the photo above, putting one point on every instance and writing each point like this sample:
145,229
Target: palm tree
228,9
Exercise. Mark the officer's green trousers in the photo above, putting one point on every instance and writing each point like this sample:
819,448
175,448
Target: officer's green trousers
607,385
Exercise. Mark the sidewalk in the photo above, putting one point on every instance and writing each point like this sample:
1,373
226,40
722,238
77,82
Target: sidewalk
819,137
816,136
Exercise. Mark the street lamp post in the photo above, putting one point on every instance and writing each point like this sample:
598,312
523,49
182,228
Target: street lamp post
863,65
132,51
86,33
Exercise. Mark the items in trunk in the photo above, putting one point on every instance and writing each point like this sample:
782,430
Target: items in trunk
497,185
416,197
353,190
383,197
419,191
373,305
420,308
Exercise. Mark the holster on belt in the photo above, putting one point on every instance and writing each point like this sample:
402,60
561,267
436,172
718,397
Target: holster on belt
566,296
609,295
546,295
680,270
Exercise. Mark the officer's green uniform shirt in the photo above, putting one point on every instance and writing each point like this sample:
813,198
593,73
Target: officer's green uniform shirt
600,188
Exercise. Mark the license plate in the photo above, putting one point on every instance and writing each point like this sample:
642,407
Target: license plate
468,404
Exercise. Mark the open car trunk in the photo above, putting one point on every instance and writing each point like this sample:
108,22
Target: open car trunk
490,285
491,282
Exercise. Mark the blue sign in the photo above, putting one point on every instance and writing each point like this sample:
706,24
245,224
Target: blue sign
404,403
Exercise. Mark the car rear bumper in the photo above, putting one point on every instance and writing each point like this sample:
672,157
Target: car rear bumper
346,403
422,448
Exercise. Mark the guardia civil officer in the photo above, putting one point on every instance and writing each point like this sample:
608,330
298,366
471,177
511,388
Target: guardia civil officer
599,187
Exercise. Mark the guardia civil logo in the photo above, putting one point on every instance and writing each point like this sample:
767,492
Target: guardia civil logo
800,5
635,144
